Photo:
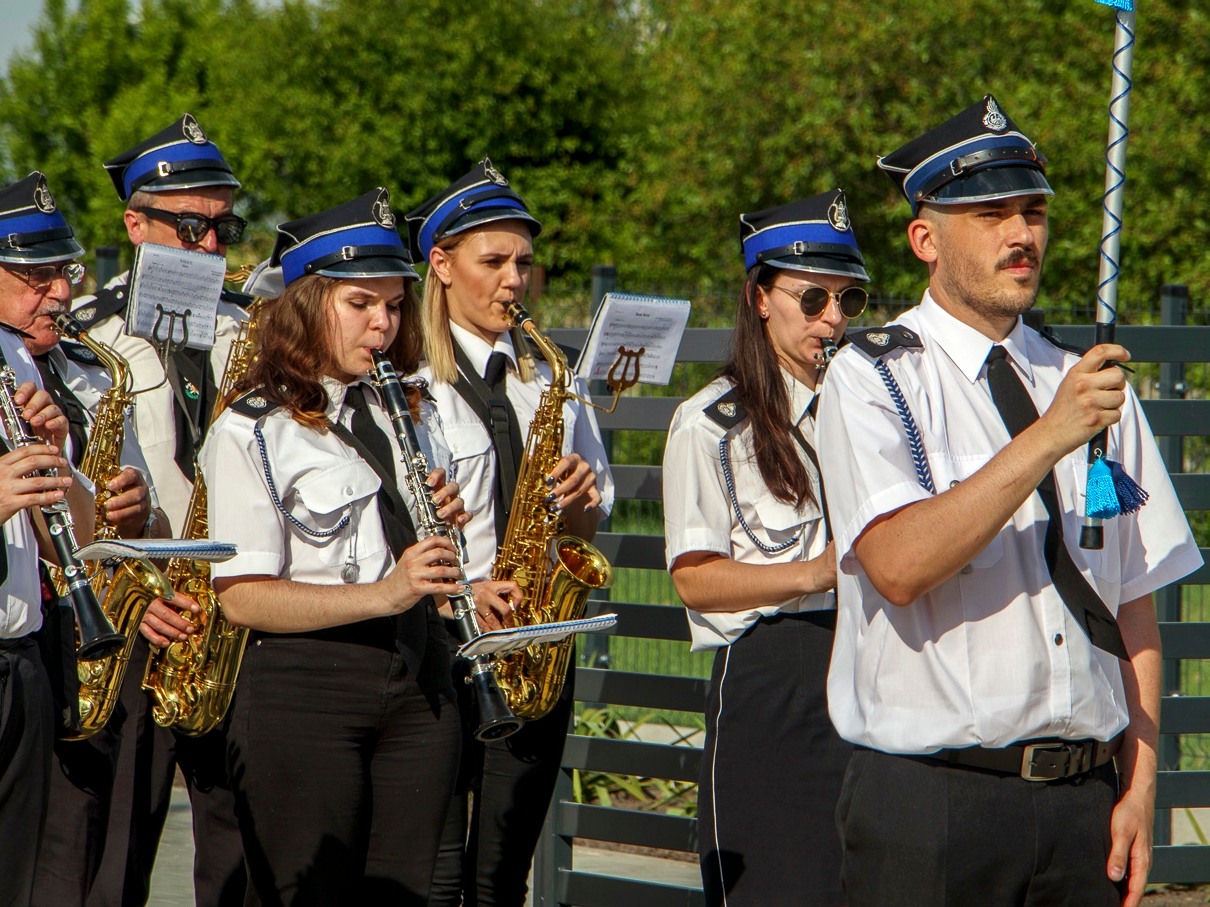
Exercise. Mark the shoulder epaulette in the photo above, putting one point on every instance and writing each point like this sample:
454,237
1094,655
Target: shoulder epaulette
78,352
243,300
1049,336
108,301
254,404
726,411
880,341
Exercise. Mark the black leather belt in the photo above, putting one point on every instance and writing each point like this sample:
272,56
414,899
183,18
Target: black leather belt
1039,760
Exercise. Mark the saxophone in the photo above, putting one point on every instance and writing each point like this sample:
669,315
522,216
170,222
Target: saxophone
191,682
555,572
135,583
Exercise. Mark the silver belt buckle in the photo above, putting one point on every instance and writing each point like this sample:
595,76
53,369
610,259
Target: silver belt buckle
1027,760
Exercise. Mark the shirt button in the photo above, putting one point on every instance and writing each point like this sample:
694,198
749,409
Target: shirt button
348,489
1058,639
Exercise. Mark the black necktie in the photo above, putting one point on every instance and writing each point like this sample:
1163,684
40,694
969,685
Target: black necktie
1018,412
506,435
77,418
366,430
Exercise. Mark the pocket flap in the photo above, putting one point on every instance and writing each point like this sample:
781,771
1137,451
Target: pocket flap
335,488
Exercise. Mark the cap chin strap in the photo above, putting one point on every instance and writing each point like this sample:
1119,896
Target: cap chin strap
973,161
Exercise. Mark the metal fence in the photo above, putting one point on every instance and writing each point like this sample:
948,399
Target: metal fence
667,680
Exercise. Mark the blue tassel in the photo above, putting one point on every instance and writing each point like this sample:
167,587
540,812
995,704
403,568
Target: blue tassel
1102,503
1130,496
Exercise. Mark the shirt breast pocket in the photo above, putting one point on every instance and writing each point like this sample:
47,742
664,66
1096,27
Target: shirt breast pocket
331,496
467,441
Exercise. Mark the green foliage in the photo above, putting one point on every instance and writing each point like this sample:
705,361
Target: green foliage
636,131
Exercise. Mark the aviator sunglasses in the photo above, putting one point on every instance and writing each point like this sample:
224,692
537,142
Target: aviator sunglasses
192,227
813,300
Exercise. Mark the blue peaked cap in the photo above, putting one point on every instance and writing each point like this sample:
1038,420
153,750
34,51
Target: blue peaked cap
179,157
32,229
811,234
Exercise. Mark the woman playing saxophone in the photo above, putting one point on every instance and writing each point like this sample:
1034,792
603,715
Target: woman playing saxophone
477,237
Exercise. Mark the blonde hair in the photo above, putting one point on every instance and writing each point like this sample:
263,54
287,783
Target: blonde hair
435,323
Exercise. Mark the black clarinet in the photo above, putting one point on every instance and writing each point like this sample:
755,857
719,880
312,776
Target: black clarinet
496,721
98,638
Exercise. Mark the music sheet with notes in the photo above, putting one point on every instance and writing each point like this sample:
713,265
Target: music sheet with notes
174,295
653,324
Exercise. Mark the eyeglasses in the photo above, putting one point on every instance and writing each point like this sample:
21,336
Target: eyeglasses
192,227
40,277
813,300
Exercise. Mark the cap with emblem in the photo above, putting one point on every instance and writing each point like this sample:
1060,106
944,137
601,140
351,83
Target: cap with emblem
356,239
811,234
32,230
978,155
179,157
481,196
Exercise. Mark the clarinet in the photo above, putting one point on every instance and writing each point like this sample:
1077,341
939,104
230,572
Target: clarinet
98,638
496,721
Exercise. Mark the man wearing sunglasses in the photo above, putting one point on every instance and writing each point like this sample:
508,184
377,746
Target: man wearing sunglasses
179,191
990,669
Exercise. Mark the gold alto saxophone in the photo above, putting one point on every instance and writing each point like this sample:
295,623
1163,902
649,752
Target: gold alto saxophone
135,583
556,572
191,682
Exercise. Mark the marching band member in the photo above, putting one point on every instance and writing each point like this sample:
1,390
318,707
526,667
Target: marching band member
179,191
477,237
36,269
988,667
344,728
750,553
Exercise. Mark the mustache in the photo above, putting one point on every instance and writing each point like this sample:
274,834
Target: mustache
1017,256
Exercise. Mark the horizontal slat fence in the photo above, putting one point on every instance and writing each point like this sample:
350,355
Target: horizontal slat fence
556,879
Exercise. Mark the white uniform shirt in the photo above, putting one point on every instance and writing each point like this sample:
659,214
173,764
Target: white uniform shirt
991,656
474,456
21,592
699,512
154,416
318,481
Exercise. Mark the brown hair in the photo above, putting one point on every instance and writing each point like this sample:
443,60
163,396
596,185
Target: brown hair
439,345
294,348
760,388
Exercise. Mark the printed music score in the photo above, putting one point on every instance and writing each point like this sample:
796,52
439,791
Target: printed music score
501,642
653,324
174,296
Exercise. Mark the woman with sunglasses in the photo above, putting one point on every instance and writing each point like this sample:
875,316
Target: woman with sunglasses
751,557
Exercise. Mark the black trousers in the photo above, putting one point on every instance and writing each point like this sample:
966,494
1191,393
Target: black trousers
918,833
27,732
343,771
111,793
496,817
772,767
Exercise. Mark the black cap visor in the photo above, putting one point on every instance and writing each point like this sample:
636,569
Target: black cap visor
374,266
188,179
43,253
990,183
482,216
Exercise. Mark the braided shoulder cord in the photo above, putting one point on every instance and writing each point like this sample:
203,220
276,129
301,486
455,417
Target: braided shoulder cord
724,457
295,521
924,475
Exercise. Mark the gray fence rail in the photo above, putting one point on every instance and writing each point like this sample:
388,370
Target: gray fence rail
556,879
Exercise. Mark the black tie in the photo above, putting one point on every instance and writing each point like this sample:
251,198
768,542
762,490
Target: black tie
77,418
1018,412
366,430
506,435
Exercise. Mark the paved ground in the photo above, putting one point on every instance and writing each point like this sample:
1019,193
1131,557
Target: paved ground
172,880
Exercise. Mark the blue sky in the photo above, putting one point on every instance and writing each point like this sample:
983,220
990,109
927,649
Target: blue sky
19,18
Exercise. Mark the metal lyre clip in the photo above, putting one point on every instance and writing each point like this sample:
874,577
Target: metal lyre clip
623,374
166,345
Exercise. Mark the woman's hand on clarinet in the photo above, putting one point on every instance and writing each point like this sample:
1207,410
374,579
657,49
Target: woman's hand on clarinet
426,568
494,603
44,418
450,506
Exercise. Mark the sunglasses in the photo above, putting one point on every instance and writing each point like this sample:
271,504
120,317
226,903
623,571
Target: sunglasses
813,300
192,227
41,277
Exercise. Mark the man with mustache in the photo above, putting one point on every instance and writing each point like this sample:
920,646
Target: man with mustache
989,669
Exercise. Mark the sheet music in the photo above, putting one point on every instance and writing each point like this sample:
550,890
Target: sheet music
501,642
170,280
654,324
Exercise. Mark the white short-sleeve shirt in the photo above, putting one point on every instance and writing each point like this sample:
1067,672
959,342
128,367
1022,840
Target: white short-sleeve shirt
474,455
991,656
700,506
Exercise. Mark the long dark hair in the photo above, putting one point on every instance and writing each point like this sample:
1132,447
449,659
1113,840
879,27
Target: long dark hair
294,348
760,388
